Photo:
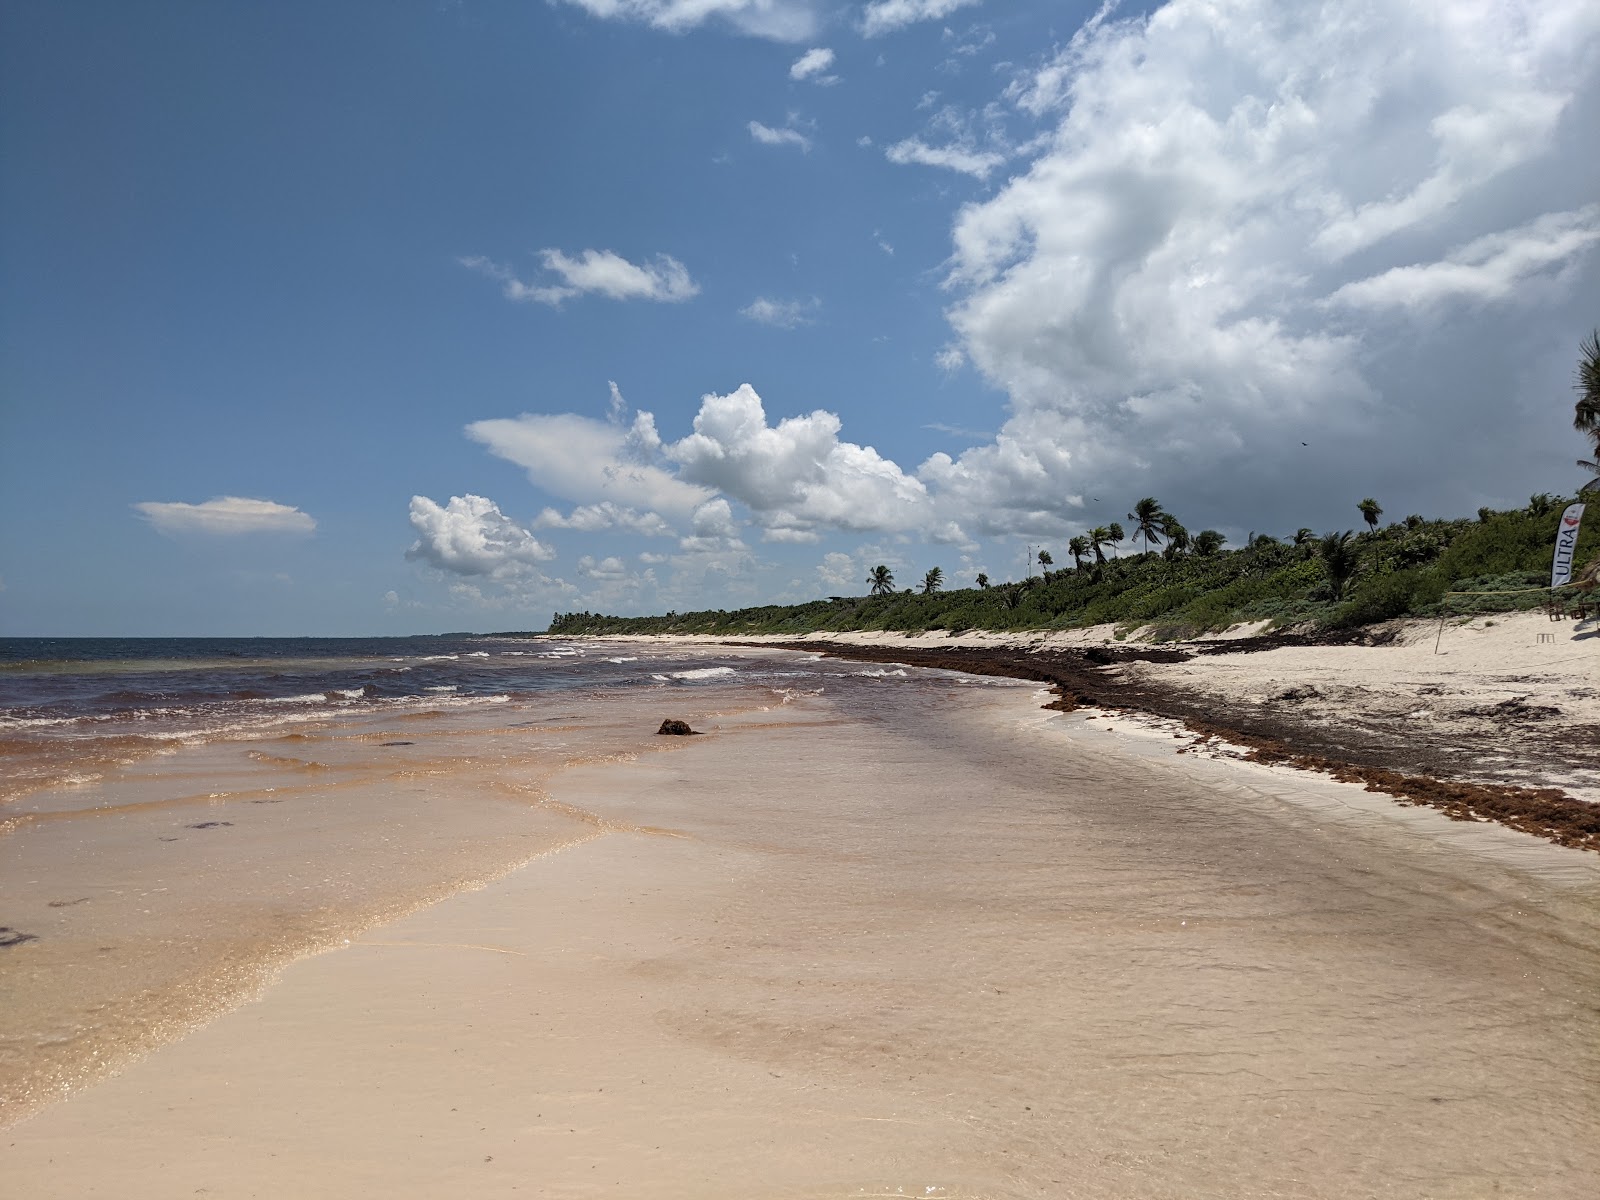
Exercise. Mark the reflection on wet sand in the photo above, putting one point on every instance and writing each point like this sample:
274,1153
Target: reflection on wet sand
153,904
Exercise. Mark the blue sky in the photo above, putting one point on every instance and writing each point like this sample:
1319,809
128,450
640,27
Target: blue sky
357,318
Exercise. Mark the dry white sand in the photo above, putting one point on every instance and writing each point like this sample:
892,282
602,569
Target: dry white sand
968,951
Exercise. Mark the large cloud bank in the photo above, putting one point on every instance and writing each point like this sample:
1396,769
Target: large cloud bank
1255,257
1241,208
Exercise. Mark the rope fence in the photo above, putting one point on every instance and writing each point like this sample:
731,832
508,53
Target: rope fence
1553,607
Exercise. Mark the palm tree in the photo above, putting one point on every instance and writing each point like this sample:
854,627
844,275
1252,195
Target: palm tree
1099,536
1116,535
1586,413
1338,560
1177,539
983,580
1147,516
882,580
1207,542
932,581
1370,511
1045,561
1305,541
1078,547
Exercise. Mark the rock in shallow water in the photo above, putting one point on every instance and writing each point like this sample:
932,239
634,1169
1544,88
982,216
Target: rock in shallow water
674,726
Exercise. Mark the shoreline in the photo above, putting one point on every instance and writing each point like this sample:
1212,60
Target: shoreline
1515,748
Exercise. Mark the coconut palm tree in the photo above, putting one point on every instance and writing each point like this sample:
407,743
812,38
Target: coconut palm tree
1117,537
1305,541
1338,560
1586,413
983,580
1370,512
1207,542
1078,547
1147,517
1099,537
1177,539
932,581
882,580
1045,561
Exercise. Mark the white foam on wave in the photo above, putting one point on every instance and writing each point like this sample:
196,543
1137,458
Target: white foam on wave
43,722
622,660
440,657
476,654
880,673
705,673
448,687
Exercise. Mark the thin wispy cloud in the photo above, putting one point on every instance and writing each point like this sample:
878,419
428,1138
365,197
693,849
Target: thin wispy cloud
814,65
777,20
887,16
598,272
781,314
786,136
965,159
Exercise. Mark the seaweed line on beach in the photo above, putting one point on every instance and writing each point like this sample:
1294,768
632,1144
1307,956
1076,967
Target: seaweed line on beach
1086,679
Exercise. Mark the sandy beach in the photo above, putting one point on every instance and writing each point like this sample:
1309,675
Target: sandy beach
888,941
1493,718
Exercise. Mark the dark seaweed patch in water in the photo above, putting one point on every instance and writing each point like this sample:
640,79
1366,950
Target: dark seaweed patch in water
68,903
397,743
209,825
15,937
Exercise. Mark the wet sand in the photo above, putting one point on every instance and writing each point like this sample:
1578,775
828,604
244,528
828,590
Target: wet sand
911,942
1499,727
170,889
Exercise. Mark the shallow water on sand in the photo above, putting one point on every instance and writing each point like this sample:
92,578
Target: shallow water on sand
181,825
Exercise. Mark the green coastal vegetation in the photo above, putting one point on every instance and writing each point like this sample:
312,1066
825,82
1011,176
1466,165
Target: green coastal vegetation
1182,584
1335,580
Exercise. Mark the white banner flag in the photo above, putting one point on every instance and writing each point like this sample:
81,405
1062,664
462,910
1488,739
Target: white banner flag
1566,545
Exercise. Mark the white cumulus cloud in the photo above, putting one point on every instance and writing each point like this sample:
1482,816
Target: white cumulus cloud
600,272
797,475
471,536
225,515
1200,266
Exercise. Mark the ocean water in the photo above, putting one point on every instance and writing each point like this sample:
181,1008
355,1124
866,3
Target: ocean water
179,818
